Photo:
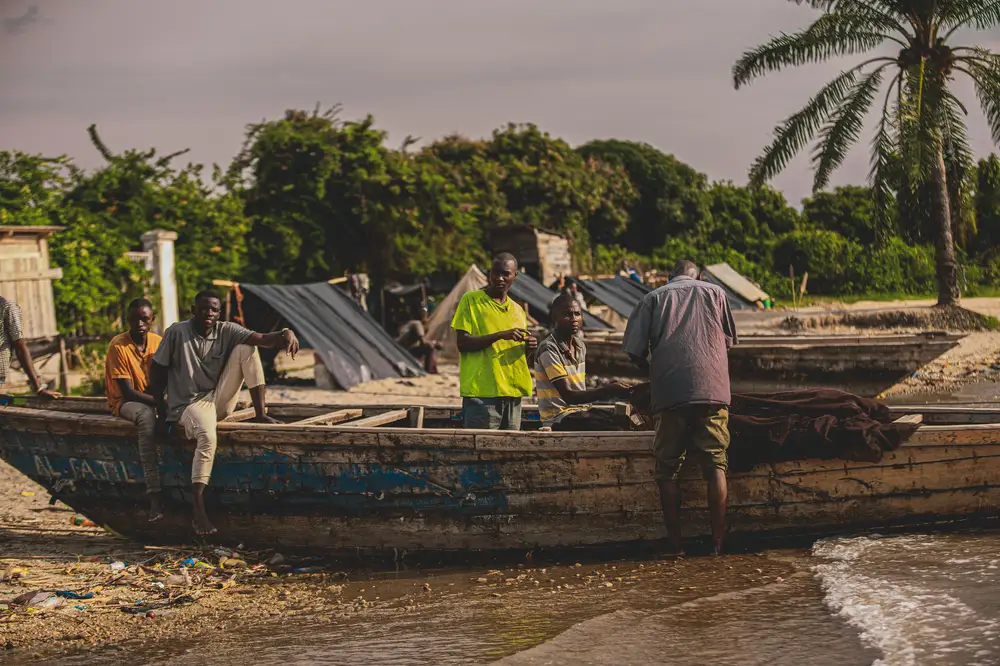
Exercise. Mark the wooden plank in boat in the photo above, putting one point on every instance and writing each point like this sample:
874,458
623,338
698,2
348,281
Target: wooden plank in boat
975,433
279,434
557,441
915,419
241,415
330,418
379,419
416,417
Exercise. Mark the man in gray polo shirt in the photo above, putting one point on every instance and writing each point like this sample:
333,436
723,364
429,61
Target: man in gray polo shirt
681,334
202,364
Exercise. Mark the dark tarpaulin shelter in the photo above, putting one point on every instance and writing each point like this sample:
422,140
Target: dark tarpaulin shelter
527,289
618,293
352,345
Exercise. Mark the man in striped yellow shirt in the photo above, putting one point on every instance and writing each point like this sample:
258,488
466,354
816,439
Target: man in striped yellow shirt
561,375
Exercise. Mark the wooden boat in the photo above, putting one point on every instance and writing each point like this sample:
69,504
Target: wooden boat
863,365
387,477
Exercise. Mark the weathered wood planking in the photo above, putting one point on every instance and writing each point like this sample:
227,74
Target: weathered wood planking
337,487
331,418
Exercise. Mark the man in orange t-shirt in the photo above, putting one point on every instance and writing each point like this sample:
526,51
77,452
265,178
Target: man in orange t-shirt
126,375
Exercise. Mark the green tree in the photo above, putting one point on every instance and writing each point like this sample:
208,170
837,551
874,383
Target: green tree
747,220
846,210
987,204
31,188
522,175
137,191
327,196
671,199
33,191
920,121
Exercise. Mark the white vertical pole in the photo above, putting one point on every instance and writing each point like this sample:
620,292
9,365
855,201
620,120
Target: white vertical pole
161,243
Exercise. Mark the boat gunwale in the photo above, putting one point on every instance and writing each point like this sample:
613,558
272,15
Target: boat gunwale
447,438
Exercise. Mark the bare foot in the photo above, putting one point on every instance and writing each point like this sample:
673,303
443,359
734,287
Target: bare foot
202,525
155,507
265,419
203,529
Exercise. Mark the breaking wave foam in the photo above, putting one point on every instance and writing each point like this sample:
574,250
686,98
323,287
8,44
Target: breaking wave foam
894,592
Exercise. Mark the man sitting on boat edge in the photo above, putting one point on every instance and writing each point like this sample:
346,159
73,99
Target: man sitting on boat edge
126,378
495,349
202,364
561,375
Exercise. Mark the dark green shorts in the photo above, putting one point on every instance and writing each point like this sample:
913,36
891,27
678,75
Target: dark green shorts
701,430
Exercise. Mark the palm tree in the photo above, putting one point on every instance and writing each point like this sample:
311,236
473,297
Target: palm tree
920,140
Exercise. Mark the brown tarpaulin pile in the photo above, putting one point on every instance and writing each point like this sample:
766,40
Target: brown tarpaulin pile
798,425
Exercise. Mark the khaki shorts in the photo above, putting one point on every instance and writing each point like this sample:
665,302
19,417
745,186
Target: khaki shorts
701,430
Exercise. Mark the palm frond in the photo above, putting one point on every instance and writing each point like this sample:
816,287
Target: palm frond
798,129
920,121
830,35
886,16
882,177
986,78
837,137
970,13
954,132
959,167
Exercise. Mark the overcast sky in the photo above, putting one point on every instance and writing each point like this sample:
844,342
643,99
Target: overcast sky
192,73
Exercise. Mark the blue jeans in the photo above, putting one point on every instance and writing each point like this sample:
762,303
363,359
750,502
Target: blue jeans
492,413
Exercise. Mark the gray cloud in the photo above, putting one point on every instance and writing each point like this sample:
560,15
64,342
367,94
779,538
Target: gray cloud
189,73
18,24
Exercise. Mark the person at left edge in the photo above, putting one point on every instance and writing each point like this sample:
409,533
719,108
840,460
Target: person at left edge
202,364
12,337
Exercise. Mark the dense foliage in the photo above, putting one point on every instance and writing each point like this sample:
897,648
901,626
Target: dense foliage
311,196
106,211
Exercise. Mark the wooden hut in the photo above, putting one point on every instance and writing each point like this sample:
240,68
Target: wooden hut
544,255
26,278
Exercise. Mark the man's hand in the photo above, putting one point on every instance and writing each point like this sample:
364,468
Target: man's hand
618,390
531,345
514,334
291,343
48,395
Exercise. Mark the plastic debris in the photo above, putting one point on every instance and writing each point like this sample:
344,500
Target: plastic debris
27,493
80,521
32,598
52,602
69,594
117,565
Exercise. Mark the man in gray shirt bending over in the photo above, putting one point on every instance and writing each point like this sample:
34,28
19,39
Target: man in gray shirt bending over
681,333
202,363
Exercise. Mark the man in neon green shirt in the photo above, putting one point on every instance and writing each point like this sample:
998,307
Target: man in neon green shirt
496,351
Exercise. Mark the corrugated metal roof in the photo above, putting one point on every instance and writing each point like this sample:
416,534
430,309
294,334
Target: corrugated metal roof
736,283
618,293
526,289
352,345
